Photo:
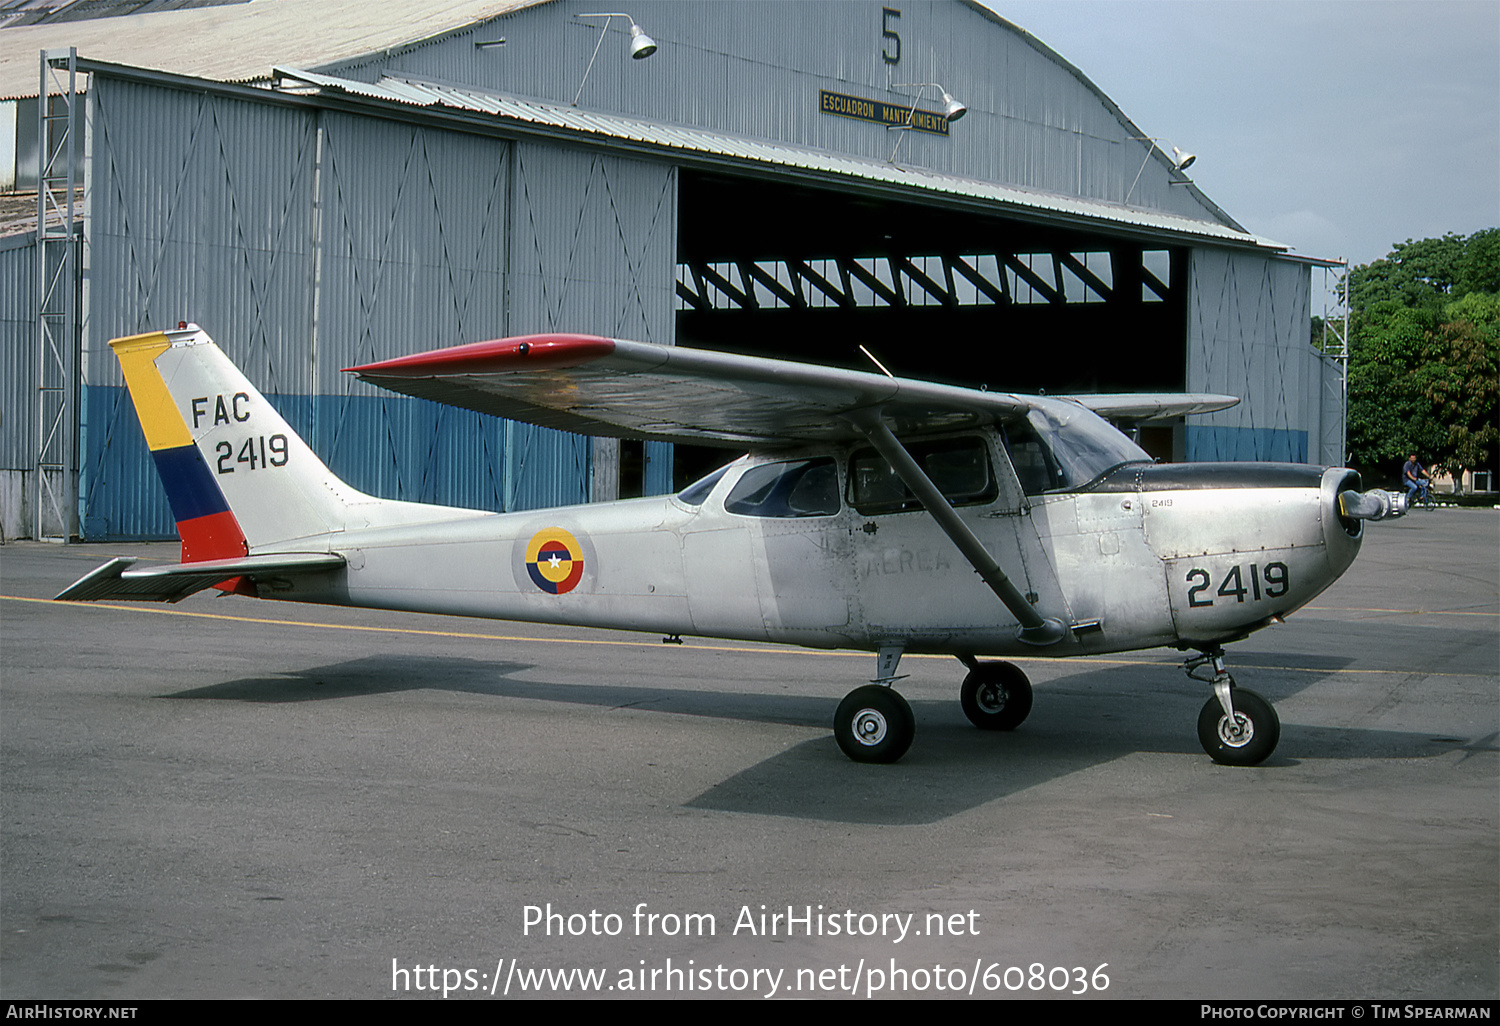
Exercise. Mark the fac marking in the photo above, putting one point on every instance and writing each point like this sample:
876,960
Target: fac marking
223,412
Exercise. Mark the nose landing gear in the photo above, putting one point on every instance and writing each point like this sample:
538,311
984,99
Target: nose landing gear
1237,727
874,724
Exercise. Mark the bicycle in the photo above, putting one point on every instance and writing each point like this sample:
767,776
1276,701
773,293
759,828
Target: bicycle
1422,496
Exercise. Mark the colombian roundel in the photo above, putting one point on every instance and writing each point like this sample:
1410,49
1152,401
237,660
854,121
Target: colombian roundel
555,561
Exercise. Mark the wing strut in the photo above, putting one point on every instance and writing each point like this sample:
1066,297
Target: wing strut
1034,629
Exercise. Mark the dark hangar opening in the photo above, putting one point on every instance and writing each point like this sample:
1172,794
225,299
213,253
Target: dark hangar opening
935,292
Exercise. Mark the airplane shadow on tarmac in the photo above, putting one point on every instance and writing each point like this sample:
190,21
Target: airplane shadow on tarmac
1079,721
952,767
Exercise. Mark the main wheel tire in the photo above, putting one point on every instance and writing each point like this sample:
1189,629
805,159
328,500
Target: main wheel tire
996,696
1248,741
874,724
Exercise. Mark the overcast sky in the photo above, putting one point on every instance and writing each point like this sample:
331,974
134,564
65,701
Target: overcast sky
1337,128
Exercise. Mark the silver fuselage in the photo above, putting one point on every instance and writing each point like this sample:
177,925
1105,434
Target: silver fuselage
1186,554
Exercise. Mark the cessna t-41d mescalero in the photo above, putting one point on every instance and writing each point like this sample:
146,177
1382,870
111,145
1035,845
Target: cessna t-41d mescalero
872,512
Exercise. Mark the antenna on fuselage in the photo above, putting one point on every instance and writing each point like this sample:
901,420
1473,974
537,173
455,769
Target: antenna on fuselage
876,362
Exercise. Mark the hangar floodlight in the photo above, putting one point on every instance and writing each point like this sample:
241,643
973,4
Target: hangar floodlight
952,109
1179,160
641,45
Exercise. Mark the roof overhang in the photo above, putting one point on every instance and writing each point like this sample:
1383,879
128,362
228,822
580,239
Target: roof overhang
471,110
720,151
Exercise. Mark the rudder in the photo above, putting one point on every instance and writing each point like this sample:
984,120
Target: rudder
236,475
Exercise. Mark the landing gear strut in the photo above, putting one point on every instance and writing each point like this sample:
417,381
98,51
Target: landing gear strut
1237,727
874,723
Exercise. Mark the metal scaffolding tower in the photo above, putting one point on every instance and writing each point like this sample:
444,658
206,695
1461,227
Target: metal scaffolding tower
1333,348
55,505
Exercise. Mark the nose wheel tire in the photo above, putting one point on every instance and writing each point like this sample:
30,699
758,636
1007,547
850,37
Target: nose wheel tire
1246,741
996,696
874,724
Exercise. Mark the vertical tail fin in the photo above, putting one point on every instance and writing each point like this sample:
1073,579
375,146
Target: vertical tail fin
237,476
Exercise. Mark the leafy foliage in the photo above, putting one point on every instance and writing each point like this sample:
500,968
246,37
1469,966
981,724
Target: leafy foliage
1423,367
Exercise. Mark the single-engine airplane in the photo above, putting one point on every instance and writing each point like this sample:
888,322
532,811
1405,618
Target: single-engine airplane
872,512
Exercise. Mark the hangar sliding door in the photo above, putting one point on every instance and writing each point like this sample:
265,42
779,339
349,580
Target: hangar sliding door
594,250
1249,335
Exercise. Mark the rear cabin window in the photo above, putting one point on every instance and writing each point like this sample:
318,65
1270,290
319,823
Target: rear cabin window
960,467
798,488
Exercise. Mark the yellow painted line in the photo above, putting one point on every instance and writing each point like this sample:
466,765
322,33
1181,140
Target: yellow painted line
762,650
362,627
1403,612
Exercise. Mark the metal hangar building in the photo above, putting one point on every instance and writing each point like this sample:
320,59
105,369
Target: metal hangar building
323,183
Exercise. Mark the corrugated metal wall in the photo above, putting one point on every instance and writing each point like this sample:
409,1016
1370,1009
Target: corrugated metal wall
18,398
1248,335
755,68
306,241
18,352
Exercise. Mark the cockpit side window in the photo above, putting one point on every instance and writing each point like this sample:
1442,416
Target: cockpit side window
797,488
960,467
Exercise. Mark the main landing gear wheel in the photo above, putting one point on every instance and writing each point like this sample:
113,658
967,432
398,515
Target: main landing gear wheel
996,696
1246,740
874,724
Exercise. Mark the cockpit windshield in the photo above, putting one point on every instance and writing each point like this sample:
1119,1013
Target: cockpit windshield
1063,446
695,493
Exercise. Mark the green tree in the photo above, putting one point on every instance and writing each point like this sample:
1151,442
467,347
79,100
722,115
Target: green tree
1462,381
1478,269
1424,329
1414,273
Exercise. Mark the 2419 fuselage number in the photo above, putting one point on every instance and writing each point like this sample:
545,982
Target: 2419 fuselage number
1253,582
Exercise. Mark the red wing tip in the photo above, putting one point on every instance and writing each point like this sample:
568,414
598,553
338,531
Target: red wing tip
501,354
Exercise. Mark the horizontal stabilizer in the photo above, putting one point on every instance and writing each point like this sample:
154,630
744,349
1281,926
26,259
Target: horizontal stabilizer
115,579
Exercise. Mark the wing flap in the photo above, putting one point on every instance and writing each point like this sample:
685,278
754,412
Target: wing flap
173,583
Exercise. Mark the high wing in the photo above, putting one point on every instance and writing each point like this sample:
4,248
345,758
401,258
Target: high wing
601,386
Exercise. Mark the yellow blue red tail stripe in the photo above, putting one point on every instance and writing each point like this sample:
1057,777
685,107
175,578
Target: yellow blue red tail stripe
206,525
